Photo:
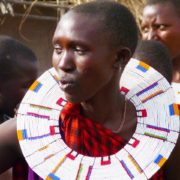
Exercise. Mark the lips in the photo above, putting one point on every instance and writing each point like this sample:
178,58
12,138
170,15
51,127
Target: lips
67,85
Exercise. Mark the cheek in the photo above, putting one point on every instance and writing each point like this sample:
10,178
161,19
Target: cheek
144,36
95,77
84,62
172,40
171,36
87,67
55,60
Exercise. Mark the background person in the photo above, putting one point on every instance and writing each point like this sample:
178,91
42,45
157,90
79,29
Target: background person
18,70
156,55
161,22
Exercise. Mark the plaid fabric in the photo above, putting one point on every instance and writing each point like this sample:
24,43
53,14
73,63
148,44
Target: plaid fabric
87,137
90,138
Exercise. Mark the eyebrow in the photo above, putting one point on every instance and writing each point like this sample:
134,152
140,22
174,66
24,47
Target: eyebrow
71,42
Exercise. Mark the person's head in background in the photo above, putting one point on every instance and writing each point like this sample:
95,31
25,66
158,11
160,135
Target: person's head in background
156,55
18,70
161,21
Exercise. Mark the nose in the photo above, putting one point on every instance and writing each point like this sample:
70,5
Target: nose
152,35
66,62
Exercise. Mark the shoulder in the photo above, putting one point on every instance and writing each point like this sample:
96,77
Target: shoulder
9,146
8,132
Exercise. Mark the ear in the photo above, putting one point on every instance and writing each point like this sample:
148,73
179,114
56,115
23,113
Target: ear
123,55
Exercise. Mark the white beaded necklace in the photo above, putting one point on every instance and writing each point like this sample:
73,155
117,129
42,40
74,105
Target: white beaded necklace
148,149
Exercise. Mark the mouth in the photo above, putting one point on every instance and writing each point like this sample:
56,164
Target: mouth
66,85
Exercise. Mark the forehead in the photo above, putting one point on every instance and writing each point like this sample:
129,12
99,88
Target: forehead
78,26
164,11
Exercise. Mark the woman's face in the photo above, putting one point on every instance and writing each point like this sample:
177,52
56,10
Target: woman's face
161,22
82,57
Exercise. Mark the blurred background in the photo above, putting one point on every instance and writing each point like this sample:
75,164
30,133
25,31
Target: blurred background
33,22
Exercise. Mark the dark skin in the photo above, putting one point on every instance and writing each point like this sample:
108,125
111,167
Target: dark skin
9,145
161,22
19,81
82,62
78,68
89,70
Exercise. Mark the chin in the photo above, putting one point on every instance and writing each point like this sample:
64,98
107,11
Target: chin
72,99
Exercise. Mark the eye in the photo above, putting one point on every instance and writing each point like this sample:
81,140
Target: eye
80,50
162,27
145,29
58,49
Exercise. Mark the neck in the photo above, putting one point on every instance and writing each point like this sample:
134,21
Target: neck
176,70
109,112
104,108
107,108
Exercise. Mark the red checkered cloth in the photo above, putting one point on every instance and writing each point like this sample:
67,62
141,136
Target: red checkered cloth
90,138
85,136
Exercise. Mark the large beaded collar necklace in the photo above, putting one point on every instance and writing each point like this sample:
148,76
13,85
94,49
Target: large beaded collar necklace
145,153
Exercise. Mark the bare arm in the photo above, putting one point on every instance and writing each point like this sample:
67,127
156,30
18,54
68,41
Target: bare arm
9,146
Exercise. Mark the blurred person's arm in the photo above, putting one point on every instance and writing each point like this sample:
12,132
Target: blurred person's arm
7,175
9,146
